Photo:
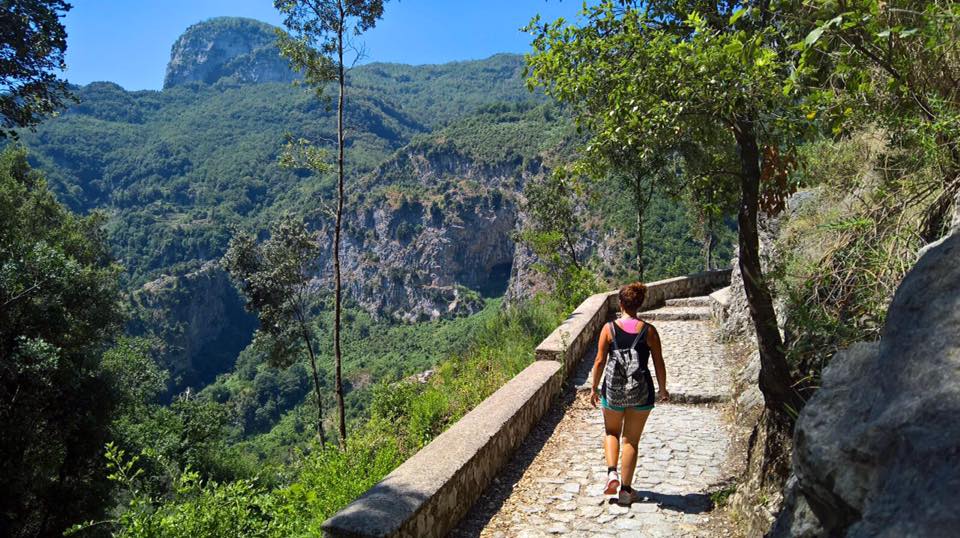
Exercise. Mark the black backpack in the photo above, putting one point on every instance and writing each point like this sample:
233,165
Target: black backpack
624,377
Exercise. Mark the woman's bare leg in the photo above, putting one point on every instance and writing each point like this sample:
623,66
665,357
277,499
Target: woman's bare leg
613,424
633,424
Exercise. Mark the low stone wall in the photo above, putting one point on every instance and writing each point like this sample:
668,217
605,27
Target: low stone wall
720,303
694,285
567,343
431,491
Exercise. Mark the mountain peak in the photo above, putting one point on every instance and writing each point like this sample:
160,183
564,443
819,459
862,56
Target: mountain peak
240,49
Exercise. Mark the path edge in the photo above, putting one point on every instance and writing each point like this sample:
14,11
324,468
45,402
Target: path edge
429,493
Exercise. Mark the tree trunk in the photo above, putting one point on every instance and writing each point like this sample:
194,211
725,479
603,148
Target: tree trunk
775,379
708,245
710,240
337,291
641,207
316,382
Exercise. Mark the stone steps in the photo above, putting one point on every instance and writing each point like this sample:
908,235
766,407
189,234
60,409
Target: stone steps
677,313
690,301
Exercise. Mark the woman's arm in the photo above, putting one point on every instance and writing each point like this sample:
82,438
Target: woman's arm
653,341
599,363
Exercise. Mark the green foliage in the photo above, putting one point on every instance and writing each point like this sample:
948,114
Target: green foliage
845,255
276,278
673,245
134,373
34,43
554,236
405,415
198,508
59,306
892,65
611,71
437,95
665,142
721,497
328,479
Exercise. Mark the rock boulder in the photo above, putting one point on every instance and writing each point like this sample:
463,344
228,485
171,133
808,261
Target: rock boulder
877,449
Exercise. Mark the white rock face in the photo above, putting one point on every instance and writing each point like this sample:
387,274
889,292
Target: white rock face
242,50
433,251
877,449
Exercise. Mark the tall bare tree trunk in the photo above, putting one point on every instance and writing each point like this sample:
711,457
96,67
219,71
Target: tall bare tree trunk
641,208
775,379
709,242
316,382
337,291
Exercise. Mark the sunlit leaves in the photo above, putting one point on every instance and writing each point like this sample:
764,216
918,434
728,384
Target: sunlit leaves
275,277
34,41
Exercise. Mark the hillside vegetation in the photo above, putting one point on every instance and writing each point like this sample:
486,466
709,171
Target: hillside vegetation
176,169
194,431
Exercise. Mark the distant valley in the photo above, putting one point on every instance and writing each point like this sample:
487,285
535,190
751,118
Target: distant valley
437,155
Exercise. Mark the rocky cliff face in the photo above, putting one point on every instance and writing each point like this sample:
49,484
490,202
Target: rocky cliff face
736,322
433,234
876,450
241,50
199,318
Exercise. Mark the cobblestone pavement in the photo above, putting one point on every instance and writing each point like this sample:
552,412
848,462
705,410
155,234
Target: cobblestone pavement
695,361
554,485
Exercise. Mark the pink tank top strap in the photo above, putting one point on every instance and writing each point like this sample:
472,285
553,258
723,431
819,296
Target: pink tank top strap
629,325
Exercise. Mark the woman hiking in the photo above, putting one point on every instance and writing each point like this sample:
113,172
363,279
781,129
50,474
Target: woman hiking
627,393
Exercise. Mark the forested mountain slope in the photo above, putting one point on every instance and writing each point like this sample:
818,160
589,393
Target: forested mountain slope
437,158
175,169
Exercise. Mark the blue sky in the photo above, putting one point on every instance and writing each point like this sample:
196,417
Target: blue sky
128,41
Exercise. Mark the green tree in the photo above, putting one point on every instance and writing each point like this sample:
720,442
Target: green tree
890,64
320,33
276,276
59,306
645,76
553,233
32,44
641,174
705,171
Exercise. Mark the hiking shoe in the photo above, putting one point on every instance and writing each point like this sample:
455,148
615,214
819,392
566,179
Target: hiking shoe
624,498
613,483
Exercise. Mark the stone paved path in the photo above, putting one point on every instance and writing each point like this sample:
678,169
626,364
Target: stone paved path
555,483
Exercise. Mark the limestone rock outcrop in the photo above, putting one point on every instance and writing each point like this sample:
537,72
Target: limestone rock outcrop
238,49
432,233
877,449
200,319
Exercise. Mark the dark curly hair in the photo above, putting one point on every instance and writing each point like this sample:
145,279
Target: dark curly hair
632,296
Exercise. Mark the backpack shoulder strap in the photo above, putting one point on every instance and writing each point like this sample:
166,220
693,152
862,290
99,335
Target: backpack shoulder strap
640,336
613,335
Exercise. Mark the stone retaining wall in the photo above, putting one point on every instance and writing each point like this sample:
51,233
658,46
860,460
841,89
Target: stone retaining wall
431,491
720,303
567,343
